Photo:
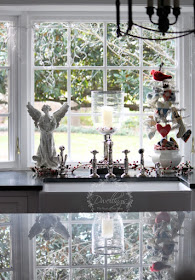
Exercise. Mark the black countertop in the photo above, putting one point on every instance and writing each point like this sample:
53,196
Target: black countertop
188,180
19,180
26,180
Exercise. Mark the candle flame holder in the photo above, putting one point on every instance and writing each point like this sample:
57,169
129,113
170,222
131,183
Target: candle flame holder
107,234
107,113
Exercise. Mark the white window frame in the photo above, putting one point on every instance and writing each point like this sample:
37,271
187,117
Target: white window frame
12,92
26,16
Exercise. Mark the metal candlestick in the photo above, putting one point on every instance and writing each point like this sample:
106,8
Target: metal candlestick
126,165
62,161
107,132
157,169
142,173
94,165
106,139
110,161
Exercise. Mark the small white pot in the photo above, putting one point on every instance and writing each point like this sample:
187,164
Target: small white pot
167,158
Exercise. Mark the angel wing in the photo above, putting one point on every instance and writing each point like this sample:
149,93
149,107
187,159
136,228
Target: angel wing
34,113
35,229
60,228
59,114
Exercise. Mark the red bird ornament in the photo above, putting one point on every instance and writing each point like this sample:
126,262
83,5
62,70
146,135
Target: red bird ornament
159,76
158,266
162,216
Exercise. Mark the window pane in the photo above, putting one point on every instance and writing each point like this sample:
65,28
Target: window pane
5,247
4,96
148,84
61,136
84,139
131,252
4,218
123,274
63,217
82,83
123,51
87,44
82,216
128,82
51,85
4,36
51,274
148,252
50,44
130,216
53,251
127,138
154,52
81,246
7,275
4,139
96,274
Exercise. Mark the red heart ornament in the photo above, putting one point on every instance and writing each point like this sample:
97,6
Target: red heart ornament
163,130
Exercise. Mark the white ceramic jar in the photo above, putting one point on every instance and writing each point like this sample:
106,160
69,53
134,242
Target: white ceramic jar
167,158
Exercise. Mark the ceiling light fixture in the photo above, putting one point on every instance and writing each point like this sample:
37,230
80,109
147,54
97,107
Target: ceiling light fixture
163,11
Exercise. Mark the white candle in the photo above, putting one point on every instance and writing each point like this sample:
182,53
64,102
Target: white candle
107,116
107,228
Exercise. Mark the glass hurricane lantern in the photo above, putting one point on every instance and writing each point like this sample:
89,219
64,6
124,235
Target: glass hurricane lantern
107,113
107,234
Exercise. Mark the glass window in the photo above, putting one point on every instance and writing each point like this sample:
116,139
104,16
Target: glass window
72,59
148,240
38,244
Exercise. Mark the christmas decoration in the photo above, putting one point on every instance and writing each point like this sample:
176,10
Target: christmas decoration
166,118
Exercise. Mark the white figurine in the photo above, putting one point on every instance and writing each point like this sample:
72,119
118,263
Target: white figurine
46,153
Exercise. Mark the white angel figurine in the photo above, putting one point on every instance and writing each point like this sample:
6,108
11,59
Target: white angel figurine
46,153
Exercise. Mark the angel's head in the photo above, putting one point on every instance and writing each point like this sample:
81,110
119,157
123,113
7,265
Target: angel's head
46,108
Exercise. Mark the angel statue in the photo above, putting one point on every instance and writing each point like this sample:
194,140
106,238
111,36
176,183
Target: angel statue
46,153
48,224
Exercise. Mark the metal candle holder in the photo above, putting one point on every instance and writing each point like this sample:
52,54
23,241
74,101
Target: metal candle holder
62,162
126,165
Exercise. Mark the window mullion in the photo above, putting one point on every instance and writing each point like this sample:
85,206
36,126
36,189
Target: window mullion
140,246
70,244
69,90
26,79
4,67
105,58
12,124
141,91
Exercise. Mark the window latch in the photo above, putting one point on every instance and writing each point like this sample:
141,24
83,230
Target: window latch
17,146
